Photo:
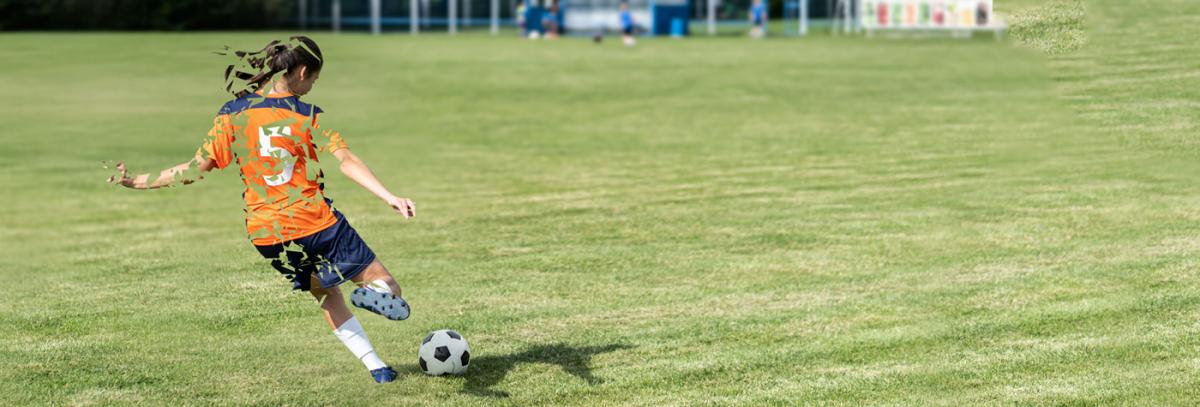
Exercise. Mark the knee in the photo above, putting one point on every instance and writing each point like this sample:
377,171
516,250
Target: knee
383,274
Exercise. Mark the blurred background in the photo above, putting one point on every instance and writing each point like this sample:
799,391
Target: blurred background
660,17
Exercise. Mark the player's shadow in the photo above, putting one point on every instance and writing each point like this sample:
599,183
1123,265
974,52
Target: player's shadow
487,371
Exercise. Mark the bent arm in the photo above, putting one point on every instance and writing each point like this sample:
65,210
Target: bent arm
358,171
169,177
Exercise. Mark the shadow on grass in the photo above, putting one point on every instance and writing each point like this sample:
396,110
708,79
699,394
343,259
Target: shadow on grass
487,371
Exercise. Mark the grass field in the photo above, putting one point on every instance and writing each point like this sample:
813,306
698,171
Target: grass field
708,221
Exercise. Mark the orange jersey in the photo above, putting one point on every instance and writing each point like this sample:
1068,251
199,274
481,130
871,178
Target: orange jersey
271,139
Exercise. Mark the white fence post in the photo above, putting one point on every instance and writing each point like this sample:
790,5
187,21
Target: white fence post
414,16
495,17
336,15
803,17
453,14
712,17
847,10
376,24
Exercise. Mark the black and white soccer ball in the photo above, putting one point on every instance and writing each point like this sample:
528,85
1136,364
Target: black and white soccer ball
444,352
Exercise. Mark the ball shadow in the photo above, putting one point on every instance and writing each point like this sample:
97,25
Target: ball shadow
487,371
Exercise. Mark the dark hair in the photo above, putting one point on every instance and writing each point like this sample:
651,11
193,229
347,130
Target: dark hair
250,70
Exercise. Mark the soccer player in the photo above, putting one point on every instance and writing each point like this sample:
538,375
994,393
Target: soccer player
627,25
267,132
550,21
758,17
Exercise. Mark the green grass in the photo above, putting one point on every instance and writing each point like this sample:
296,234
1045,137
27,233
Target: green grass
1055,27
707,221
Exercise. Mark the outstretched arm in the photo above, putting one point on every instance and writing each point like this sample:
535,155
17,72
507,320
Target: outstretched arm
357,170
168,177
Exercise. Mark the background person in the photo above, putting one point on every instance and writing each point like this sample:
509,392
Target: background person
627,25
758,19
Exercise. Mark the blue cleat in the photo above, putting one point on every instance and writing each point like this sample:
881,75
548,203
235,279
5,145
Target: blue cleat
390,306
384,374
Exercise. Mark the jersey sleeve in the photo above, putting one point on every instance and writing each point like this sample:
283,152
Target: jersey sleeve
217,145
331,140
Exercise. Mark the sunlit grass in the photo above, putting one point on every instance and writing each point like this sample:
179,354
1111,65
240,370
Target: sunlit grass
706,221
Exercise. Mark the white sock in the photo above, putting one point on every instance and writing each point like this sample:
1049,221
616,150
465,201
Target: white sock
352,335
379,286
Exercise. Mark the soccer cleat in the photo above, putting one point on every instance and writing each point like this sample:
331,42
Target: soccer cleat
390,306
384,374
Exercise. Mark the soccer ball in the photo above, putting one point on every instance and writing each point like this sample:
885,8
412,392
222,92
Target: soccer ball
443,352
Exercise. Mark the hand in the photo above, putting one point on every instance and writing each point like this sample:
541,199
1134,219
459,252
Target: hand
403,206
124,179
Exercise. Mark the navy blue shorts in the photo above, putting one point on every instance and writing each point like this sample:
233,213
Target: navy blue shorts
335,254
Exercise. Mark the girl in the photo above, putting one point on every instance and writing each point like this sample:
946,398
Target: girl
268,132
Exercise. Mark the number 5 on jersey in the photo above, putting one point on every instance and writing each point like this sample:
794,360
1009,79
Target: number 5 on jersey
265,149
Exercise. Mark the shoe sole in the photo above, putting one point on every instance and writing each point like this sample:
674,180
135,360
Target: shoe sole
388,305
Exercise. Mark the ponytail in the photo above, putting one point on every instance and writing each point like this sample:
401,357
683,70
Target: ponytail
249,71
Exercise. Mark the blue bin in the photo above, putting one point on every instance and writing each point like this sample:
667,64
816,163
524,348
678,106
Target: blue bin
678,27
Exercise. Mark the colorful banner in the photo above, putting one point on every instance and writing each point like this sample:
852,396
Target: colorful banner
925,14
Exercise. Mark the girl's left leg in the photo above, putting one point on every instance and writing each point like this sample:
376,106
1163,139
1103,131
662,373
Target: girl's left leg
348,330
333,306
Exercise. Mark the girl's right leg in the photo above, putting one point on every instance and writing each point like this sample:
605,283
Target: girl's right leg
378,292
377,272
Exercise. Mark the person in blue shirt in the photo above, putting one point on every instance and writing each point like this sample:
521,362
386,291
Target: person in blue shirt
550,21
627,25
758,17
